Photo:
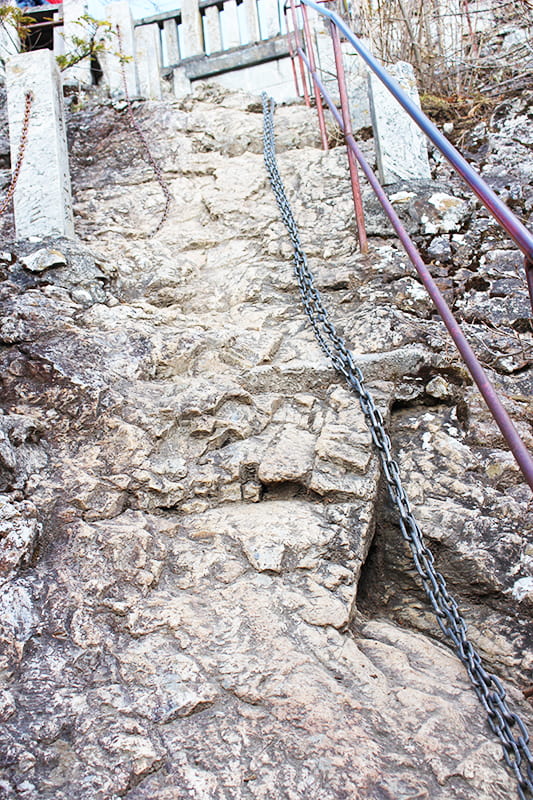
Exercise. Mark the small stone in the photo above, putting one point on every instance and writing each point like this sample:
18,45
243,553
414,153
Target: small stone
439,388
43,259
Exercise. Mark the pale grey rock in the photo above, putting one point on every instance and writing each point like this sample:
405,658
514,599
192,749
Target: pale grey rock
19,531
43,259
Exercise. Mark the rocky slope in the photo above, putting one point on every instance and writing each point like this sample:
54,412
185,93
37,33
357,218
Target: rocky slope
205,593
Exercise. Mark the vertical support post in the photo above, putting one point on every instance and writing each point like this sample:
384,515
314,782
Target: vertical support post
193,37
230,25
528,264
269,20
347,125
293,59
318,96
299,47
212,30
252,20
119,15
148,56
170,33
180,82
72,11
42,199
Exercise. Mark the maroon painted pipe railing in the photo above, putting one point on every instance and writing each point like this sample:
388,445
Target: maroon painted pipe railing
502,419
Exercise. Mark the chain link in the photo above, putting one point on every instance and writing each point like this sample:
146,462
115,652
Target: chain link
142,138
490,691
20,156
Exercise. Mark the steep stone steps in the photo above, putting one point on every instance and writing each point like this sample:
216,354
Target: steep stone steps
190,625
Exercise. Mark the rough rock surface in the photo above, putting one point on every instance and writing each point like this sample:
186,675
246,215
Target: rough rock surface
205,591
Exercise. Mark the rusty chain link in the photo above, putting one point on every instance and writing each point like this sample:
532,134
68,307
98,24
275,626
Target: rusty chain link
20,157
507,725
138,130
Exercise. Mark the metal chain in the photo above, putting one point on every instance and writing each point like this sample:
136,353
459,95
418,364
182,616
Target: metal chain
20,156
137,128
507,725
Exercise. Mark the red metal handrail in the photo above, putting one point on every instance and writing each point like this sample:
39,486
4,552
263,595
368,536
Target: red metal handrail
520,234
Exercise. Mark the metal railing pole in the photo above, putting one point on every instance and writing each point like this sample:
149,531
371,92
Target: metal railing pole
318,97
347,128
298,48
293,57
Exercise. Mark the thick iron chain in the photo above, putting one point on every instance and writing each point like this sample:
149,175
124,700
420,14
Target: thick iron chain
142,138
20,156
507,725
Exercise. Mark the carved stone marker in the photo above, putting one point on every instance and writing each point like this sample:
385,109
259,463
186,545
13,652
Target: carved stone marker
401,148
42,200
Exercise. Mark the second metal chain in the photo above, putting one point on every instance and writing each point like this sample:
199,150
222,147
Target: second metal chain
507,725
20,158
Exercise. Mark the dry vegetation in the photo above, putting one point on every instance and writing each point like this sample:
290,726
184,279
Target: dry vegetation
468,54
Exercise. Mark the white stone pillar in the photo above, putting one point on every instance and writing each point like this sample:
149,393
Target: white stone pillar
180,82
42,200
212,30
119,15
269,19
252,20
170,33
401,148
73,10
148,58
191,21
230,25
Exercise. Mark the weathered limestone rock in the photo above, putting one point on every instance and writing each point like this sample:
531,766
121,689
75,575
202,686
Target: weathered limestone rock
401,148
220,604
42,199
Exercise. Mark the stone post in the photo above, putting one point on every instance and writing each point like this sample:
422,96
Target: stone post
170,34
180,82
230,25
119,15
252,20
269,20
212,30
193,37
148,58
401,148
42,200
72,11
